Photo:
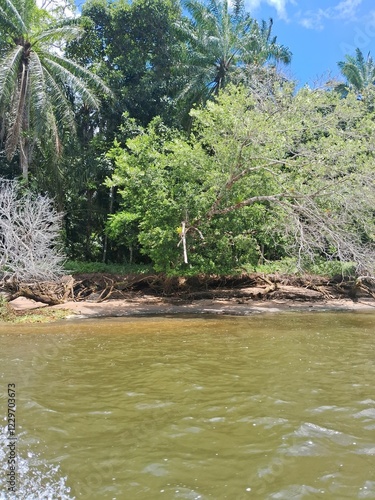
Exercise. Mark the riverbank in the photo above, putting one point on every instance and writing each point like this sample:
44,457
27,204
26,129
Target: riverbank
148,307
103,296
155,306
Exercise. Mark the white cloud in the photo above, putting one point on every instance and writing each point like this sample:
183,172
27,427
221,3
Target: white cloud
279,5
347,9
344,10
312,20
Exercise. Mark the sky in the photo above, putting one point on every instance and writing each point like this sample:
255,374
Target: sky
319,33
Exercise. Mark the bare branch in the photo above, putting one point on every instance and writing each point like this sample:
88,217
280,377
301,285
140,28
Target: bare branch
29,233
246,203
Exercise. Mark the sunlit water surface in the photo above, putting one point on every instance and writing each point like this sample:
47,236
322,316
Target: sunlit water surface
264,407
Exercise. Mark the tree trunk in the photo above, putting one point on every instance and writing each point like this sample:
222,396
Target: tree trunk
23,139
105,246
24,158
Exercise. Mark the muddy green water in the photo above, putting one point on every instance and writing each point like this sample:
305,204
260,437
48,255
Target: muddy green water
264,407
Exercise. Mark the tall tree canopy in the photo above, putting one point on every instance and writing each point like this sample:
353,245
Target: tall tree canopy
136,49
37,83
223,42
293,177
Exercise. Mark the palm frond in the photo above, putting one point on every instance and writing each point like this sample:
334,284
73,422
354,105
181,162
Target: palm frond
54,130
352,73
8,76
216,7
38,95
342,89
7,25
220,41
35,80
360,61
17,115
79,72
61,106
62,76
68,33
279,53
238,9
197,11
26,9
14,16
358,71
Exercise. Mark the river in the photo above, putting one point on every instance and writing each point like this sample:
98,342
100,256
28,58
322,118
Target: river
273,406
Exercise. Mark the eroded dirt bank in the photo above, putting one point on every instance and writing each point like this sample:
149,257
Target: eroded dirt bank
99,295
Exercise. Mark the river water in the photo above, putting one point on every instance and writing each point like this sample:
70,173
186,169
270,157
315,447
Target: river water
264,407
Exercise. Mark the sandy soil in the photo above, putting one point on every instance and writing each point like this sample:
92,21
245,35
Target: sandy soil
250,296
156,306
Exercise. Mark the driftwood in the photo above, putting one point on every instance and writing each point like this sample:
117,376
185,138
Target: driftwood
48,292
100,287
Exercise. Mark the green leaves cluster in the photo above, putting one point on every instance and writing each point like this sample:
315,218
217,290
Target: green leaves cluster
223,44
292,177
358,71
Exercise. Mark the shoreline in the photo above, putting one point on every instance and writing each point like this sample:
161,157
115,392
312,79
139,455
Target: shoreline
98,297
151,306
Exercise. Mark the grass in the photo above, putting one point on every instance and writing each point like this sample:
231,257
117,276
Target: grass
76,267
283,266
42,315
319,268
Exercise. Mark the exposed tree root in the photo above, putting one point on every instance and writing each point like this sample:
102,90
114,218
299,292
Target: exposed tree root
48,292
101,287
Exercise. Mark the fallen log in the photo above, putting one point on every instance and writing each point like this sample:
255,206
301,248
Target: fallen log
47,292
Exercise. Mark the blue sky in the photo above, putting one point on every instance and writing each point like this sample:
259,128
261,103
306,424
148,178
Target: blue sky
319,33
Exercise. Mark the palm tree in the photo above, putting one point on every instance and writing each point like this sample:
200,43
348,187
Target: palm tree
37,83
263,47
358,71
220,42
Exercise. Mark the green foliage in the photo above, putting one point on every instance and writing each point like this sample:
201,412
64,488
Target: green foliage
222,45
7,313
134,47
169,179
45,315
333,268
137,49
266,173
292,177
358,71
35,80
291,266
77,267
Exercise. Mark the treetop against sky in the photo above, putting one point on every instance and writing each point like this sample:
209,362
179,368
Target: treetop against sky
319,32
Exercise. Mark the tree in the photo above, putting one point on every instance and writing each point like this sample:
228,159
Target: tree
291,177
358,71
135,48
30,230
220,43
37,83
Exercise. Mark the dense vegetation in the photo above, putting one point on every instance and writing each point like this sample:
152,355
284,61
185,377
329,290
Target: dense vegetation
168,135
